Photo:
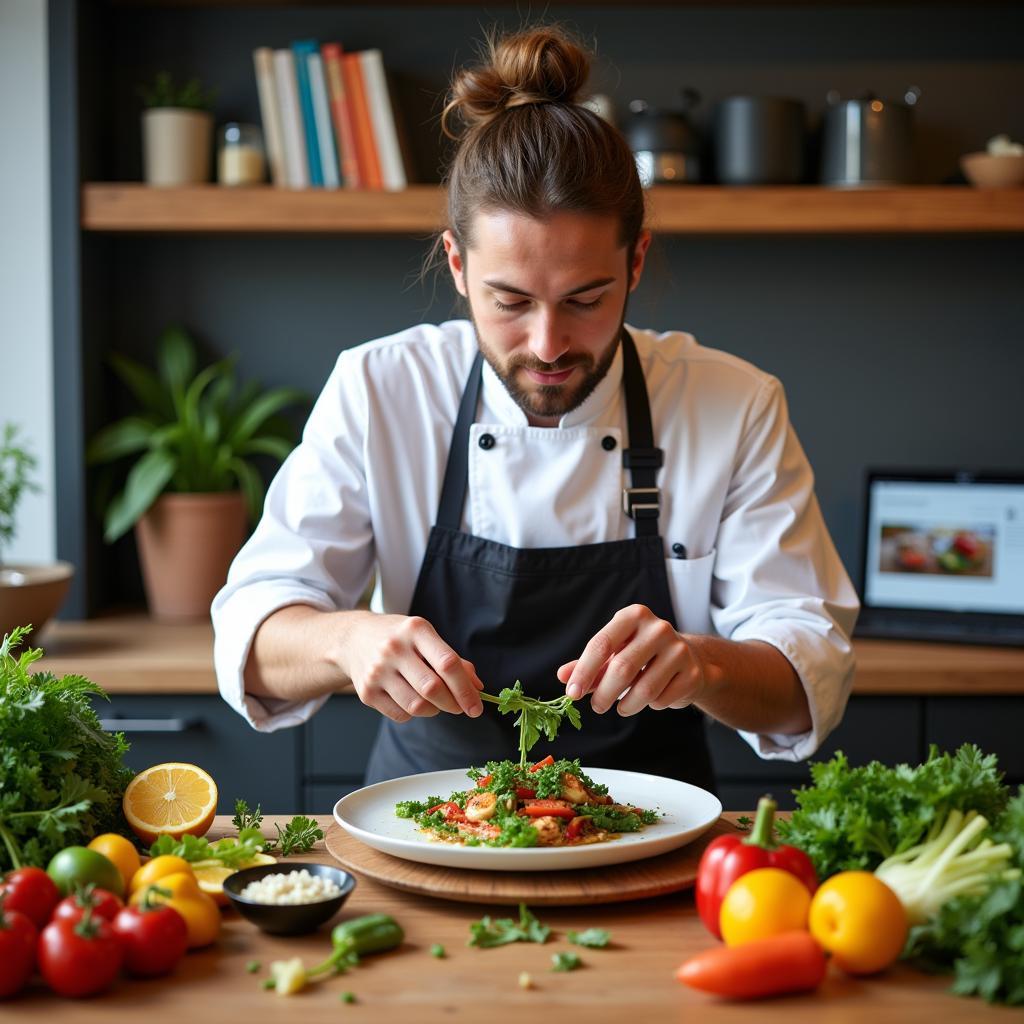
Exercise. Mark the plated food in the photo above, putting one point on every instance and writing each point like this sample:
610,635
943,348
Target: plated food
550,803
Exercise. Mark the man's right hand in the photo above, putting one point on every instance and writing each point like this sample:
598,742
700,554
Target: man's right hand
401,667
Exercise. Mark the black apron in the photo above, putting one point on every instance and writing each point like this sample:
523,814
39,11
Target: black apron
520,613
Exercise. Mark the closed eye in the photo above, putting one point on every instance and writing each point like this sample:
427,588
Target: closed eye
507,306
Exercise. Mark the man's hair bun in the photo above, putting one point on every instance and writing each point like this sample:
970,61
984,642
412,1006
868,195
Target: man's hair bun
541,65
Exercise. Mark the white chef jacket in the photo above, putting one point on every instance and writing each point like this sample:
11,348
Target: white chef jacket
361,491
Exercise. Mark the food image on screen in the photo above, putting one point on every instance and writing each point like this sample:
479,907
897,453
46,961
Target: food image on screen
953,550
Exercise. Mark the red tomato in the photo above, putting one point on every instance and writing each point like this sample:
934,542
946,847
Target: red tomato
79,958
452,811
154,938
33,892
104,904
17,949
542,808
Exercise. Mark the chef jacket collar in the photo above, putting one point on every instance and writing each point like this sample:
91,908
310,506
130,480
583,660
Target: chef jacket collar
500,403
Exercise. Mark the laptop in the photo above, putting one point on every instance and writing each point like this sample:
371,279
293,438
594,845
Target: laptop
943,557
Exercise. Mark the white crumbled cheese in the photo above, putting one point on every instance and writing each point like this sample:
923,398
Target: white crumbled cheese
1000,145
293,887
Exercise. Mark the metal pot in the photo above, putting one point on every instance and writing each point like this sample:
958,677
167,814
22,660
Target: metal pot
869,141
759,140
664,142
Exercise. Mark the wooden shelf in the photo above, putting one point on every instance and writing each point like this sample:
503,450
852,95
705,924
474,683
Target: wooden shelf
121,207
133,654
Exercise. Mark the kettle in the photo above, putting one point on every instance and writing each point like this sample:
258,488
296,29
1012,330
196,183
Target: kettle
664,142
868,141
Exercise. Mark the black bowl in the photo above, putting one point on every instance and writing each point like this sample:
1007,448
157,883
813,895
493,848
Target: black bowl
291,918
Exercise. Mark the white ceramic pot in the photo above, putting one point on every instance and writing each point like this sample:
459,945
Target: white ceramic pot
176,146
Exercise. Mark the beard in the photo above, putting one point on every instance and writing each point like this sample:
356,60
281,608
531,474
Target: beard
551,400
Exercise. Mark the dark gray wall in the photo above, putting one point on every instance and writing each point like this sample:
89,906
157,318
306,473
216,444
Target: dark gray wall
894,350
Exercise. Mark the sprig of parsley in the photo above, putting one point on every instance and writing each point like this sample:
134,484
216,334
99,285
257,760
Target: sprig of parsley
593,938
536,717
244,818
297,836
565,962
487,932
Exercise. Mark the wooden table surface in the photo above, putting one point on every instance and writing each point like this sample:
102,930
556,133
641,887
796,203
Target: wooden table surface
631,982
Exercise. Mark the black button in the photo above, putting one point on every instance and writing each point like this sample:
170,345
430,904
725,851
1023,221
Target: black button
679,550
608,443
486,441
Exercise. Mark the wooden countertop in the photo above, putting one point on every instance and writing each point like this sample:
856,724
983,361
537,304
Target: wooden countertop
631,981
132,654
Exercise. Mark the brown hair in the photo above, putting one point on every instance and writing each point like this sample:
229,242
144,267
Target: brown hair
527,146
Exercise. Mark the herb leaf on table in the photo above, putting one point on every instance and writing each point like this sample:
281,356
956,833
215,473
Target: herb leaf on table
487,932
593,938
297,836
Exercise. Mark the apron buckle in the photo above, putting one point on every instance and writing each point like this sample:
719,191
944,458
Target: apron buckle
641,502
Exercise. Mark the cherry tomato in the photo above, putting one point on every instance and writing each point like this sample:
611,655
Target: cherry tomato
33,892
104,904
79,958
154,938
17,949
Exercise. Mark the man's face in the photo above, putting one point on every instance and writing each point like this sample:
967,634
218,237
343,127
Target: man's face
548,299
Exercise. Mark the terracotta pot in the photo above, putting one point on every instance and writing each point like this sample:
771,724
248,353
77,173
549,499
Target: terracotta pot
31,594
186,543
176,146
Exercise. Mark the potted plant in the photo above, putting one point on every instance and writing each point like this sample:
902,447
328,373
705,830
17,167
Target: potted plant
29,594
191,487
177,132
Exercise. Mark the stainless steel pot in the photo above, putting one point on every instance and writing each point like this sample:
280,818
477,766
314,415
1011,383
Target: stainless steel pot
869,141
665,143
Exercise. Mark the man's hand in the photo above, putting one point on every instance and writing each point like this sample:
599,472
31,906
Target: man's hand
401,667
640,653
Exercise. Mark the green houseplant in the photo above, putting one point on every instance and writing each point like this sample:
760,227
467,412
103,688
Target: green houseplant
28,593
191,484
177,131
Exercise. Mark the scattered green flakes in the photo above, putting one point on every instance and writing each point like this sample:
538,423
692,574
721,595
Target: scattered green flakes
565,962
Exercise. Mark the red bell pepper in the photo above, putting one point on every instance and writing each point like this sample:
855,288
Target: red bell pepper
451,811
542,808
577,825
728,857
543,763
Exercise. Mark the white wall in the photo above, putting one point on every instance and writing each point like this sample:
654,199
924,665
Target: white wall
26,333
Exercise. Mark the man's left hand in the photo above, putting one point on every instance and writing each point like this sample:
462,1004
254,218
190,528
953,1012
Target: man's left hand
640,653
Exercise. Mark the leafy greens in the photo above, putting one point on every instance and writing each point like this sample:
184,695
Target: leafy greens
536,717
61,776
488,932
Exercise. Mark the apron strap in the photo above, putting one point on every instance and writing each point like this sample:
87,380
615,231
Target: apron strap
641,501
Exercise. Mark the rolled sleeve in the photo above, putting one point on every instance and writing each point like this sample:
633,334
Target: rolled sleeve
313,545
778,577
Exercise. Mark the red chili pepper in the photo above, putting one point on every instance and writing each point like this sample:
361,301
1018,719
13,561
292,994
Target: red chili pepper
543,764
452,811
728,857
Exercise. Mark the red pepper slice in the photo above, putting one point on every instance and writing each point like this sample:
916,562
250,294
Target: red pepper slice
728,857
543,764
524,793
486,780
576,826
452,811
540,808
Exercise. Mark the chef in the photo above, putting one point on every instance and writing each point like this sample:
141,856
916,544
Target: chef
542,491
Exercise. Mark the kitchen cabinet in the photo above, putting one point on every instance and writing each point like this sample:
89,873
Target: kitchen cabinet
262,768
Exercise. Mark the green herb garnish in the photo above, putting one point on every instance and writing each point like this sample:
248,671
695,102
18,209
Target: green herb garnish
297,836
593,938
244,818
536,717
487,933
230,852
347,997
437,950
565,962
253,966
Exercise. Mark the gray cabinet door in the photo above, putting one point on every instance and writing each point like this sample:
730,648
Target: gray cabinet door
994,723
339,739
262,768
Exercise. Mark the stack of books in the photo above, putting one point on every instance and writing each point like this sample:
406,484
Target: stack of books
328,118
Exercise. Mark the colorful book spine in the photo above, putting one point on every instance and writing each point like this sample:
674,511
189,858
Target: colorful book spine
270,114
296,161
366,145
344,131
322,116
302,48
383,120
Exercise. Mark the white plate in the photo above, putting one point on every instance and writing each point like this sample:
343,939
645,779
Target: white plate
369,815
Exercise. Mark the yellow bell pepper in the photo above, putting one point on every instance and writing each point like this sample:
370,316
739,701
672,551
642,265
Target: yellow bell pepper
157,868
181,891
762,903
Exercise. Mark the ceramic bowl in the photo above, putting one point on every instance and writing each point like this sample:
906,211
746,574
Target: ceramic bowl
31,594
984,170
287,919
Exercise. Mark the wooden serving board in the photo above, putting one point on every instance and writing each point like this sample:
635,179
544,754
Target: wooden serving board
636,880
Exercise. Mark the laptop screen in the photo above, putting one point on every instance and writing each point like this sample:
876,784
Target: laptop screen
953,543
